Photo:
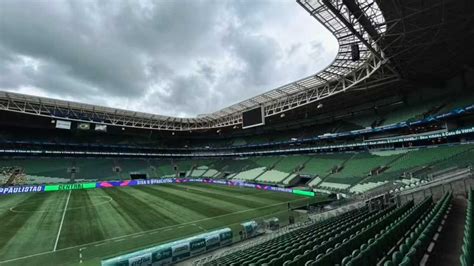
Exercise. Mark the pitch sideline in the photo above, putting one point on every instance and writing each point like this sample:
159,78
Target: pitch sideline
104,241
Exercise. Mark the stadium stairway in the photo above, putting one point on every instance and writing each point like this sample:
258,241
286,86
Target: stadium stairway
295,172
260,174
340,167
448,247
207,173
411,250
467,253
269,164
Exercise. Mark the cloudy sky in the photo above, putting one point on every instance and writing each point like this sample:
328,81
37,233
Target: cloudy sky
171,57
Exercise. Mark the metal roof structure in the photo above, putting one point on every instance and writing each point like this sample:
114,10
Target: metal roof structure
429,40
352,22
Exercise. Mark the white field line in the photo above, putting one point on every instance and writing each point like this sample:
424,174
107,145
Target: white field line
149,231
200,227
62,221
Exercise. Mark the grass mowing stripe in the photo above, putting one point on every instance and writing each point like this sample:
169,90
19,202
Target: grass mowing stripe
236,190
12,220
62,220
170,204
226,198
67,253
82,225
206,209
213,202
165,207
248,191
147,205
256,196
265,194
115,223
33,225
134,208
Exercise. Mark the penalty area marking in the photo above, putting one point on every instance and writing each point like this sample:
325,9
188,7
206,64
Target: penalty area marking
62,220
104,241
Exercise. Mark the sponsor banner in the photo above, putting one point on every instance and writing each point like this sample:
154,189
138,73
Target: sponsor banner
247,185
141,260
75,186
126,183
84,126
303,193
221,182
197,245
61,124
175,251
129,183
154,181
102,128
212,241
281,189
20,189
162,256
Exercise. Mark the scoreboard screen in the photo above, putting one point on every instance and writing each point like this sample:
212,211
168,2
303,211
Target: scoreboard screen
253,118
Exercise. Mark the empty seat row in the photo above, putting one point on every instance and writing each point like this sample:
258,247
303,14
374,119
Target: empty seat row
414,246
292,237
323,238
346,242
392,236
277,248
375,249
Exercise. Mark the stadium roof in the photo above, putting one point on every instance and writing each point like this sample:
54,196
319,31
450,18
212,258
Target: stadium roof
429,40
352,22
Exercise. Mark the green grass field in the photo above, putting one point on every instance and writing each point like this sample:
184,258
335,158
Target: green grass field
85,226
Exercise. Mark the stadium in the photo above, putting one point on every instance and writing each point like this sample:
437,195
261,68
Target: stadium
367,162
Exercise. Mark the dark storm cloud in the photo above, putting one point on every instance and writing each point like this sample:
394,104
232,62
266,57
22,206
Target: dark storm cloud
66,46
178,58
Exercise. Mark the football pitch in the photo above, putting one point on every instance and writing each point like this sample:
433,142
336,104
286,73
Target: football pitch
81,227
